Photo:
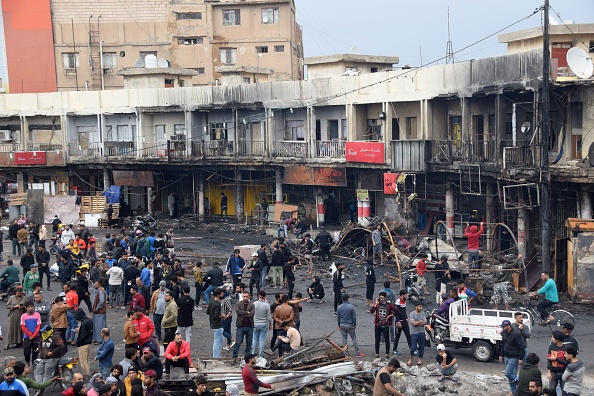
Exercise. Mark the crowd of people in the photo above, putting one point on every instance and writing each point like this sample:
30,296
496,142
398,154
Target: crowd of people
139,274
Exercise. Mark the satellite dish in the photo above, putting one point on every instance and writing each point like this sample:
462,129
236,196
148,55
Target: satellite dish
356,50
580,63
525,127
139,63
163,63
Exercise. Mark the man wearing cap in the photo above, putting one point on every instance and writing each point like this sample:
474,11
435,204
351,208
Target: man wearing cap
447,364
51,349
158,304
149,381
149,361
177,354
347,323
30,277
11,385
383,381
251,382
511,353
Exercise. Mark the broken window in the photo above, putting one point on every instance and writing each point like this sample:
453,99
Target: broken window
296,129
169,83
262,50
218,131
189,40
269,15
110,60
228,56
200,70
70,60
246,80
188,15
231,17
279,48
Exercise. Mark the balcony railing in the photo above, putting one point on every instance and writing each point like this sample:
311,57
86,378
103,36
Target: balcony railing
291,149
521,157
330,148
251,149
217,149
120,149
10,147
44,147
409,155
448,151
76,149
477,151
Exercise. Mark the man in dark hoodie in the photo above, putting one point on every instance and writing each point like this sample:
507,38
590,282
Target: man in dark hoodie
84,340
511,352
529,372
370,281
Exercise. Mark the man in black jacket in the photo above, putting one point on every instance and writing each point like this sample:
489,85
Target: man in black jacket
370,281
255,269
12,235
214,278
324,240
27,260
337,286
130,274
185,320
511,353
84,339
43,258
277,262
265,264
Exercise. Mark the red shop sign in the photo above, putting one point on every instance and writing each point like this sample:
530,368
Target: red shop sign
30,158
365,152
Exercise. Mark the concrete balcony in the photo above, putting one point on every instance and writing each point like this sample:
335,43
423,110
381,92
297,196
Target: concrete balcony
410,155
44,147
10,147
449,151
330,148
251,149
290,149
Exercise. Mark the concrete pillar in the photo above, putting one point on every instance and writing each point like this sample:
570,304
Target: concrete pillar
490,212
364,211
586,205
239,207
311,131
499,126
450,209
106,183
189,130
351,116
522,231
139,140
149,201
321,207
279,187
466,120
269,135
201,208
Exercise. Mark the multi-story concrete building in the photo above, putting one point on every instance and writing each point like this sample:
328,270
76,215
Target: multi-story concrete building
464,137
92,41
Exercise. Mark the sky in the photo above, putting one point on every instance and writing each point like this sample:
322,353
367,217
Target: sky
415,30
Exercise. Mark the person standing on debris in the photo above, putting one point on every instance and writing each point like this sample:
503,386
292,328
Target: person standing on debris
511,353
324,240
473,234
376,240
215,318
251,383
316,290
421,268
383,380
224,206
369,281
418,320
501,280
402,322
347,323
171,204
276,267
447,364
235,265
337,286
308,252
384,313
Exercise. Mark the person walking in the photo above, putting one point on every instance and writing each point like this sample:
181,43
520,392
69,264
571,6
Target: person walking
511,353
169,319
347,323
337,286
402,322
227,311
417,320
251,383
447,364
376,240
157,307
185,318
224,207
245,325
255,269
370,280
116,277
13,236
384,312
99,311
84,340
235,265
262,323
215,318
473,234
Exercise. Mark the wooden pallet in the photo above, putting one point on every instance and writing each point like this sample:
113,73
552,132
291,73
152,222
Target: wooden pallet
93,204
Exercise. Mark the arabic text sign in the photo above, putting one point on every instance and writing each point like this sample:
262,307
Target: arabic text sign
372,152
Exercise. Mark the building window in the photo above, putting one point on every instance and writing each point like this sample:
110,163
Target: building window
160,132
218,131
269,15
591,46
374,70
343,134
231,17
279,48
169,83
188,15
189,40
411,127
262,50
228,56
297,130
110,60
143,54
70,60
246,80
200,70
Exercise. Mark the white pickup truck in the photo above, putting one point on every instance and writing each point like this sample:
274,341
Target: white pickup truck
475,328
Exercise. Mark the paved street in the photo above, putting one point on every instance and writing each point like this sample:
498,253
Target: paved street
317,319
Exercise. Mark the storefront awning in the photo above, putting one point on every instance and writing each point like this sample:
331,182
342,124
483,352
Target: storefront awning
133,178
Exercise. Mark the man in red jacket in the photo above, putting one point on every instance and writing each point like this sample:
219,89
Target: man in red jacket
473,234
145,328
177,354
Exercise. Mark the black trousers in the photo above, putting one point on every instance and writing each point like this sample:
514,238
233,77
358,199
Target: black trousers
337,297
199,291
44,269
406,333
325,251
379,332
169,335
542,308
87,300
30,348
370,290
255,280
320,296
185,363
291,285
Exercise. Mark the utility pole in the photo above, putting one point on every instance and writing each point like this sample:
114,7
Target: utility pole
545,128
450,49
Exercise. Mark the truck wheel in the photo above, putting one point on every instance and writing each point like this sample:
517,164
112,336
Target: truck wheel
482,351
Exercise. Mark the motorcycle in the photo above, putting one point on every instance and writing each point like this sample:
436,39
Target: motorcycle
414,289
144,223
437,328
10,291
64,370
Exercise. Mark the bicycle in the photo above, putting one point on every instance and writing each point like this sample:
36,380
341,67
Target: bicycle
556,316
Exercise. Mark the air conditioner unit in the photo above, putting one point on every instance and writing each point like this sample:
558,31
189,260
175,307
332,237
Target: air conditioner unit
5,135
